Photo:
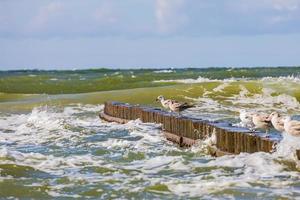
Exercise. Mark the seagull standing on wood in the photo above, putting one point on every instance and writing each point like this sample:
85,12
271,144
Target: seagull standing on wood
246,119
291,127
277,121
261,121
164,102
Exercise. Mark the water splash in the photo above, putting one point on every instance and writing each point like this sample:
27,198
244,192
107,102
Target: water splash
78,155
287,147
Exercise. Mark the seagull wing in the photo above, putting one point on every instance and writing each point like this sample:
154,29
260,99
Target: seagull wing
176,104
280,122
295,125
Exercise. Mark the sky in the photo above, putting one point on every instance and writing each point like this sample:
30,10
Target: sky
65,34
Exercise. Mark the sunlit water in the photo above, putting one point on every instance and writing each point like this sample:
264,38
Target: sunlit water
63,150
69,152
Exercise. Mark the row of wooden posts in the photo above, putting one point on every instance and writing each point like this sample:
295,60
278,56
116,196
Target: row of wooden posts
187,131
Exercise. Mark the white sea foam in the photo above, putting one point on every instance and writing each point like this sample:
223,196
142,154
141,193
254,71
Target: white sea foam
287,147
244,92
267,100
164,71
221,87
32,75
265,80
198,80
291,78
72,143
235,171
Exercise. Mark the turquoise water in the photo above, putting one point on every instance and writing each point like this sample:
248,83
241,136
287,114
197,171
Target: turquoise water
53,145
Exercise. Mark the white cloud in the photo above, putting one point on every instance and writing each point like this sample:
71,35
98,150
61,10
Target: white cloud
169,15
254,5
148,18
287,11
105,13
269,12
285,4
279,19
45,14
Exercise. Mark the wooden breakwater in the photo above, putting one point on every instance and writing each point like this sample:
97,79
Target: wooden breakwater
187,131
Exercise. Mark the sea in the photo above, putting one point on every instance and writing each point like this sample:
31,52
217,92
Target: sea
54,146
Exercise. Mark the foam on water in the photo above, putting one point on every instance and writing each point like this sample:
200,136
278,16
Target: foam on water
164,71
198,80
248,172
229,97
274,90
221,87
77,155
290,78
287,147
267,101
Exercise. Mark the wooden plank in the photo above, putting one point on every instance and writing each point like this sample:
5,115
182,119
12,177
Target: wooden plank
188,130
298,154
109,118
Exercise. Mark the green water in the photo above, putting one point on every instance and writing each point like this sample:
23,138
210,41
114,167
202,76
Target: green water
54,146
82,81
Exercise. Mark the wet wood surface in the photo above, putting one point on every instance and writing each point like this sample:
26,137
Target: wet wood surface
187,131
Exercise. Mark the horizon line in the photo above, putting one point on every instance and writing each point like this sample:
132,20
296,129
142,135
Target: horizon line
147,68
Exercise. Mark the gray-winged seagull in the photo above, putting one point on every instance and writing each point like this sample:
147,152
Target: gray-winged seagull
164,102
261,121
291,127
277,121
173,105
176,106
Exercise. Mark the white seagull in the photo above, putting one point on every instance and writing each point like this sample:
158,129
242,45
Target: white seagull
291,127
246,118
277,121
164,102
261,121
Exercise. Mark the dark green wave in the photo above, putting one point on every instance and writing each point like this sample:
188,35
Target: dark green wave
93,80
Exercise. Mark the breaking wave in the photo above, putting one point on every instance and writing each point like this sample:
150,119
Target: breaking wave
69,152
62,149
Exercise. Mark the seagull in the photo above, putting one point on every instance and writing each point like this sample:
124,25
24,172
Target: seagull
164,102
261,121
277,121
176,106
246,119
292,127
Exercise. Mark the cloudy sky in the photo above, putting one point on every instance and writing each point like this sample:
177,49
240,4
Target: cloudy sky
53,34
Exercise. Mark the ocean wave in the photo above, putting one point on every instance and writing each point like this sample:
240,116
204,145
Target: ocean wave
200,79
189,81
291,78
164,71
241,171
77,150
267,100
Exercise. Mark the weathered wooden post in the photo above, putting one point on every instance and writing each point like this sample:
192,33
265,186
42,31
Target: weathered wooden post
186,131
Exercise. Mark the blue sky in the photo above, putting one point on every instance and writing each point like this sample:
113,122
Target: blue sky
52,34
